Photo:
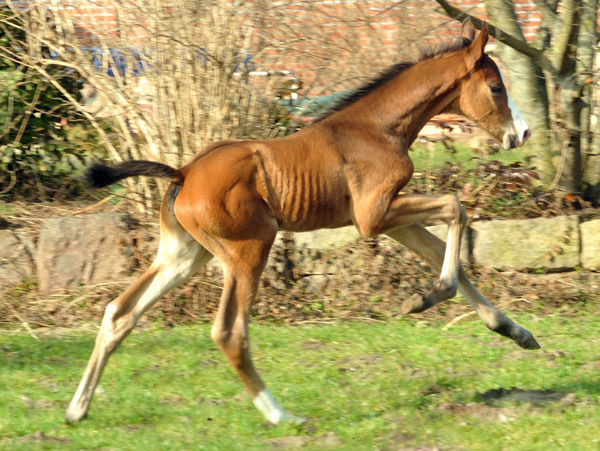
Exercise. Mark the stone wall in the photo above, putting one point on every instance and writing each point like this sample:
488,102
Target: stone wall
562,243
76,251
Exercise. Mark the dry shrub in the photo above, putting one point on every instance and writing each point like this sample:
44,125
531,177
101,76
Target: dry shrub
170,77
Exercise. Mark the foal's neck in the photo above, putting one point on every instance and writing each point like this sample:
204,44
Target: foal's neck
403,106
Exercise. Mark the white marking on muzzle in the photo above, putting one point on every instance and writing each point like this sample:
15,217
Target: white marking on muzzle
519,123
518,127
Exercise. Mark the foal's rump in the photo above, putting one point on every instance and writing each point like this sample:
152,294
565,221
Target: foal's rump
221,196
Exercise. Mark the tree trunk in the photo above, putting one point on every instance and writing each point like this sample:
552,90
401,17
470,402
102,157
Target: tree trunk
555,84
567,99
569,135
527,88
588,67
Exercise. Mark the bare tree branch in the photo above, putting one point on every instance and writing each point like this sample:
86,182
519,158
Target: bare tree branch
517,44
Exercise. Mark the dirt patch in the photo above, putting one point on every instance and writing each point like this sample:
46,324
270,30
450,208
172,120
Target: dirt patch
397,440
434,389
41,437
315,345
485,412
535,397
492,409
137,428
38,404
326,440
551,356
358,362
174,400
240,397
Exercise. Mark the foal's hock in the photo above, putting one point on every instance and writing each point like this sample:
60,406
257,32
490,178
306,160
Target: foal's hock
347,168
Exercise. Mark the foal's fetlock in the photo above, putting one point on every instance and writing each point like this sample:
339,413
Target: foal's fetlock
443,290
74,416
77,410
417,303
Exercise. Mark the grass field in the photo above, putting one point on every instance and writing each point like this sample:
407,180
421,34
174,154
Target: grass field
403,384
463,156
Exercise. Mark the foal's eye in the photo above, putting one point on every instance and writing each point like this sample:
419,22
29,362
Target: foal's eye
496,90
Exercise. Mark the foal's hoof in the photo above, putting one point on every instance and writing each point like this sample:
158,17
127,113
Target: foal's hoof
525,339
519,334
72,415
414,304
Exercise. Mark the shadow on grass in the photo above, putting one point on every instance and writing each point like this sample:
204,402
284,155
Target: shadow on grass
563,393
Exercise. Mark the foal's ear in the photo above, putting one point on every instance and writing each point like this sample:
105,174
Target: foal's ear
477,47
468,30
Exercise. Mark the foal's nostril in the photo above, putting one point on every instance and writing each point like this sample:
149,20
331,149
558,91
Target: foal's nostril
526,136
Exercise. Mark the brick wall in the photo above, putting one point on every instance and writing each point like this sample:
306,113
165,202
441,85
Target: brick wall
367,35
100,16
529,17
378,33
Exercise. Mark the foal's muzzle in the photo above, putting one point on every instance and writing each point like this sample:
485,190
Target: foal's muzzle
512,140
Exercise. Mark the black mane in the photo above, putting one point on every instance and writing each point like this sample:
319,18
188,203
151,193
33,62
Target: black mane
425,52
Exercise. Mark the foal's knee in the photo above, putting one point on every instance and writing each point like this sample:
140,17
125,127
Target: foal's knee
455,212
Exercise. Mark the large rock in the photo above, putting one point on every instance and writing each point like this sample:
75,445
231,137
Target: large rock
590,245
308,245
325,238
75,251
527,244
17,261
322,253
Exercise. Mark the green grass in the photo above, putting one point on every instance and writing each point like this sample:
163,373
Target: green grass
401,384
463,156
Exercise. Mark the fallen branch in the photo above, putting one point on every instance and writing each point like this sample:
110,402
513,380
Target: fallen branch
24,323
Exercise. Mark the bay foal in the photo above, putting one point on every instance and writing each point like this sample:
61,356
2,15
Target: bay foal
348,168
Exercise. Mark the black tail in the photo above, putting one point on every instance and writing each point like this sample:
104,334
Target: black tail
100,175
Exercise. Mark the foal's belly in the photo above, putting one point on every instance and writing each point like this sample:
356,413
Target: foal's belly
304,214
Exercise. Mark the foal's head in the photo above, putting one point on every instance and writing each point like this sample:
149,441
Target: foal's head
483,97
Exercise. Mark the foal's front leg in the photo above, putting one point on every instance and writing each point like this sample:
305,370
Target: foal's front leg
406,210
431,248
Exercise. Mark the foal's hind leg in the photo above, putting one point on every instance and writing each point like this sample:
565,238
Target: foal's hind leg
244,263
179,257
431,248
